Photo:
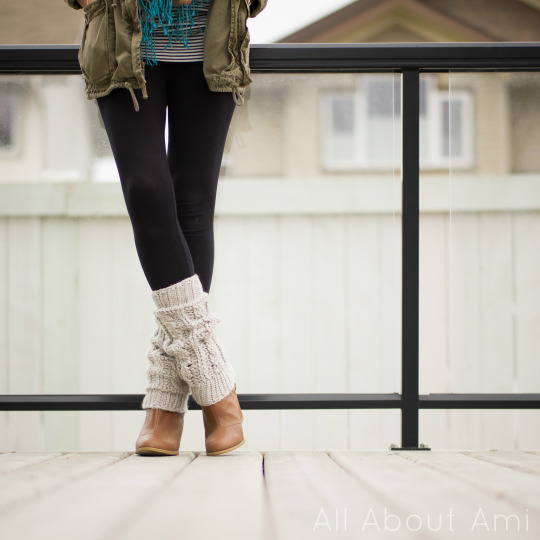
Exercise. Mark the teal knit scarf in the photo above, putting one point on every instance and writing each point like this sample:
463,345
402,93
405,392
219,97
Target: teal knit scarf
153,13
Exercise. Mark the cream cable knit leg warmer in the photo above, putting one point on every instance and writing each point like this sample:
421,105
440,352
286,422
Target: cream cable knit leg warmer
165,388
183,312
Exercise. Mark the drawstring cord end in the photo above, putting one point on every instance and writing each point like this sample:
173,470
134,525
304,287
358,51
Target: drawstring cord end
238,96
135,102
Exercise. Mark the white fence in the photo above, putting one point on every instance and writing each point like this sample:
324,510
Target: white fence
307,282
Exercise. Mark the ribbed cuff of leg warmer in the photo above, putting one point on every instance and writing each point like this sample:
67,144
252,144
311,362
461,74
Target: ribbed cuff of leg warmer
165,389
210,391
178,294
167,401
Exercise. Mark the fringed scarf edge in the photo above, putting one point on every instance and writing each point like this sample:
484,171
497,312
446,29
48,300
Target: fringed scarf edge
157,13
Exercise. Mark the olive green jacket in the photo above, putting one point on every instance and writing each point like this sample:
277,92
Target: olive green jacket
110,55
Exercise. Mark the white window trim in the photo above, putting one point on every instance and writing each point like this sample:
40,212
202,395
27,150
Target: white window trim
466,160
434,158
371,164
325,109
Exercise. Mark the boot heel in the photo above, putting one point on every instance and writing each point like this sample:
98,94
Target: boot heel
223,425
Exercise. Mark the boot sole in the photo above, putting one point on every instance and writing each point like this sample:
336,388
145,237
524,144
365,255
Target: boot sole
217,452
151,451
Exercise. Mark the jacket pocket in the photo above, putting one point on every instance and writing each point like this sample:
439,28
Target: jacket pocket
95,56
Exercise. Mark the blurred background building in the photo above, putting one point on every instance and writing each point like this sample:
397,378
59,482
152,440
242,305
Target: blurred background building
307,272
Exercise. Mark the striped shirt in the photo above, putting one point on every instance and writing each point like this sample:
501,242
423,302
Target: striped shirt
176,51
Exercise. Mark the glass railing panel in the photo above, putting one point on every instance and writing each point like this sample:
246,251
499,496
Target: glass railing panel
307,275
479,232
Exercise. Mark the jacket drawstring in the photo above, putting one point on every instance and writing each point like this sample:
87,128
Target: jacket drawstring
238,95
135,102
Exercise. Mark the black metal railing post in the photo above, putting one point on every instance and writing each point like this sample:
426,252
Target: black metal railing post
410,252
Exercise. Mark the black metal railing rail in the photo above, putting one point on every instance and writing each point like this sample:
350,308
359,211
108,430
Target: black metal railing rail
408,59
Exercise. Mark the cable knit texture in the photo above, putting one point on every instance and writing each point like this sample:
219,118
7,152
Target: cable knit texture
165,388
189,337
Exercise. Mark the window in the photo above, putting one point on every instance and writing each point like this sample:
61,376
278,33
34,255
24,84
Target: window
445,126
7,121
13,89
361,127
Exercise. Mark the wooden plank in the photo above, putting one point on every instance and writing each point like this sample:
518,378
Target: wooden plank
263,280
330,312
514,488
363,320
24,428
309,495
34,199
12,461
464,426
478,470
496,299
434,323
369,370
273,196
60,319
527,320
294,501
388,283
114,493
231,295
40,479
423,486
389,337
4,327
374,429
131,310
95,330
329,357
296,305
297,429
433,299
215,497
229,292
513,459
496,324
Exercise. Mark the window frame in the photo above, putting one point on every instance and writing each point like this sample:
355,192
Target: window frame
432,159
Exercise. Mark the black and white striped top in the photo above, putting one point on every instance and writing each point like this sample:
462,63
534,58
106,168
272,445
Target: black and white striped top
177,51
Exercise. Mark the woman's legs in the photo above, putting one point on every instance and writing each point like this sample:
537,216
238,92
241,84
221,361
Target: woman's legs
185,355
138,144
170,197
199,120
137,140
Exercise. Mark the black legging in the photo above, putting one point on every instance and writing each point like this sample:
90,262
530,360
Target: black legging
170,195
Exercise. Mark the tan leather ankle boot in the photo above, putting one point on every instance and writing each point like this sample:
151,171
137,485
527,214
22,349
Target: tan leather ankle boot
223,425
161,433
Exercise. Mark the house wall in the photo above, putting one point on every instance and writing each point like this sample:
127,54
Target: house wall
285,120
524,121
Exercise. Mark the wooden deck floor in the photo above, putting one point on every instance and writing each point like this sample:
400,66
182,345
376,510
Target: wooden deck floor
270,495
